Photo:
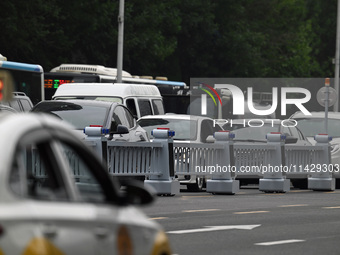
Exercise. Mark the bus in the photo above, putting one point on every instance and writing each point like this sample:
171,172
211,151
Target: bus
27,78
175,94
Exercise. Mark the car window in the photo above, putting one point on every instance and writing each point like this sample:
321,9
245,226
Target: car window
158,106
35,171
314,126
80,116
207,129
144,107
123,117
87,184
295,133
130,104
184,129
26,105
15,104
286,130
254,133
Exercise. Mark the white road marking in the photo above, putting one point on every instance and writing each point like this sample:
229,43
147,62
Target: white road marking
202,210
213,228
293,205
332,207
281,242
159,218
251,212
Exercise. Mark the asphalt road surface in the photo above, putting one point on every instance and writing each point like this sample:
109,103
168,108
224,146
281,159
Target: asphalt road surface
250,222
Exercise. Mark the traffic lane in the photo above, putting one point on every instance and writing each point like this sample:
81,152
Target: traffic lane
245,199
289,227
316,229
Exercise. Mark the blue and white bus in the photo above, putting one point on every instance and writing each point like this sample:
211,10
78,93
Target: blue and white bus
175,93
27,78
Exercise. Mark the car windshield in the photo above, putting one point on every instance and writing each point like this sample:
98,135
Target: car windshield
314,126
184,129
80,116
253,133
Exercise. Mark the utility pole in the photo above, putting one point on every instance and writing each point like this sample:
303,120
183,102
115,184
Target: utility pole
120,41
337,57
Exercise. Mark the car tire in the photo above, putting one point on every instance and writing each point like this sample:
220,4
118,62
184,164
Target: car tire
198,186
300,183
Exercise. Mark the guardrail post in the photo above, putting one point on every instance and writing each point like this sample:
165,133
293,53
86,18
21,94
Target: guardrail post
273,178
95,139
165,183
223,181
321,177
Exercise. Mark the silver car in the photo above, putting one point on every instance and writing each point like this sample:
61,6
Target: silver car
114,117
188,129
57,198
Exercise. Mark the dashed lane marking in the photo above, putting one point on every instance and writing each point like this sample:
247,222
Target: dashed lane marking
159,218
281,242
331,207
251,212
202,210
293,205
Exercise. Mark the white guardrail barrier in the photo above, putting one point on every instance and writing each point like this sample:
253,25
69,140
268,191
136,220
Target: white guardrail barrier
161,160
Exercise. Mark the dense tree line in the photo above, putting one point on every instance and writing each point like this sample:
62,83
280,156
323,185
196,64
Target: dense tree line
178,38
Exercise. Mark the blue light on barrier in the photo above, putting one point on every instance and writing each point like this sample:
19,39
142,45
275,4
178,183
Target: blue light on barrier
105,131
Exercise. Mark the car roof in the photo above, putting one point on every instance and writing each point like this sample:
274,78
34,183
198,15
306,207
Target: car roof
175,117
321,114
265,121
107,104
106,89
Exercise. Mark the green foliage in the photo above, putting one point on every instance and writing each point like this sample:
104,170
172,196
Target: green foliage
178,39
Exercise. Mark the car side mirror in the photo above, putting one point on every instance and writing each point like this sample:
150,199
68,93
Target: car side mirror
135,193
210,139
120,129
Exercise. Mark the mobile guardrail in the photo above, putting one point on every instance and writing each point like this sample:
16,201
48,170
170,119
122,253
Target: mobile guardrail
161,160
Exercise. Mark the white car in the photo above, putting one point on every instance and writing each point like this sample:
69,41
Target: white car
255,130
48,208
188,128
314,124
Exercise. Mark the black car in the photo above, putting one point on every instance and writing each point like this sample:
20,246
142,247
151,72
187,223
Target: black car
84,113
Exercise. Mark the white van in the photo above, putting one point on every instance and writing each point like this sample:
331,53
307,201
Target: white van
140,99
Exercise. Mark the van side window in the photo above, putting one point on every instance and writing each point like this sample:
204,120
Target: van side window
157,106
15,104
130,104
26,105
144,107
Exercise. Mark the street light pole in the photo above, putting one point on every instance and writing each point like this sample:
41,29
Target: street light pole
120,41
337,57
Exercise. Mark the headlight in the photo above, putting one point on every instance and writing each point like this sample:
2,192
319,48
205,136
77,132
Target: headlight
161,245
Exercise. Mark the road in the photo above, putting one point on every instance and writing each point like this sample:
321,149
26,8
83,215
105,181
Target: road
250,222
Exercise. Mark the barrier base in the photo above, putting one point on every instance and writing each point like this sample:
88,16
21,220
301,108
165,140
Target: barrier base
321,184
274,185
223,186
170,187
